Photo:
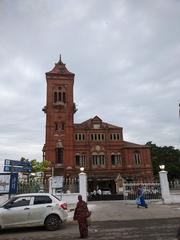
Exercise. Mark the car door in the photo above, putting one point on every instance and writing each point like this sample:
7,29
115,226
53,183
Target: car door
40,208
16,213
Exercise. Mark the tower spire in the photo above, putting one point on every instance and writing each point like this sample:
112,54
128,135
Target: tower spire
60,61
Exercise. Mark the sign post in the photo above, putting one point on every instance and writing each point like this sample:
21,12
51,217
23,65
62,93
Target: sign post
14,167
13,183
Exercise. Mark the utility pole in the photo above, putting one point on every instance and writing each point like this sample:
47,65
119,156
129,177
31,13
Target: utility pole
179,110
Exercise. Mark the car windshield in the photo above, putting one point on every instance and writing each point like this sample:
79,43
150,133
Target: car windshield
56,197
7,201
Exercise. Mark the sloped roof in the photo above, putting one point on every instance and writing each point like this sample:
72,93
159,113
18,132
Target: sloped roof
95,119
132,145
60,69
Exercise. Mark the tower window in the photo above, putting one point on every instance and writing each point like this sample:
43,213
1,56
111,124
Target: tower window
59,96
55,97
59,155
59,126
59,152
64,97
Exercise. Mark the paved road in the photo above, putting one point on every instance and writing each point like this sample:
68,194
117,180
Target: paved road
113,220
157,229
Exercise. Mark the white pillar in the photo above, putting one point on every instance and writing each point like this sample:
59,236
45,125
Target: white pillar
83,185
50,185
51,189
164,187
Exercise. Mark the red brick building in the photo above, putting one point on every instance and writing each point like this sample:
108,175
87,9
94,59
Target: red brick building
94,144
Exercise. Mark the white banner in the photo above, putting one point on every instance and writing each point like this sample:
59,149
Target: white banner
57,182
4,183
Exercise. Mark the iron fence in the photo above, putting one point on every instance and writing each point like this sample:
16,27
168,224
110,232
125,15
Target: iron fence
151,190
35,185
174,184
71,184
30,186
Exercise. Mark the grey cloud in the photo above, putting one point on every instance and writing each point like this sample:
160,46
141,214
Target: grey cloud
125,55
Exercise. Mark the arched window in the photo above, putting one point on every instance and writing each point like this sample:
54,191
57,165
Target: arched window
116,159
80,160
59,152
59,96
98,159
55,97
59,126
137,157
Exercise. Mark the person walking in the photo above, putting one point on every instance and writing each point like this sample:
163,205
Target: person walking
81,214
140,199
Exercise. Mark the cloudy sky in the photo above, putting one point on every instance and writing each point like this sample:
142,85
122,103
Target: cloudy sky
125,55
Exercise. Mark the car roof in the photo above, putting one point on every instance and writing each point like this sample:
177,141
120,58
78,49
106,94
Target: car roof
32,194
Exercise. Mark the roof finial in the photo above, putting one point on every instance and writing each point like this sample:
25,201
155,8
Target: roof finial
60,61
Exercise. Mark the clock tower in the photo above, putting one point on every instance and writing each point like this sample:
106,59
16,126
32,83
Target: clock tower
59,110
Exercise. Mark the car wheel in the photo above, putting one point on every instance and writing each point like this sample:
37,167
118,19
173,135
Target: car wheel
52,223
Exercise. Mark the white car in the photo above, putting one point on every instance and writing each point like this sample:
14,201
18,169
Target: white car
33,209
106,191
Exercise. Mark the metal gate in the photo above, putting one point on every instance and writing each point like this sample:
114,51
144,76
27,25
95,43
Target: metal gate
151,190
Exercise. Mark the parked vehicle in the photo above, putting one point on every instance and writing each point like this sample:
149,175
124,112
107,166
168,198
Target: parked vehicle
33,209
105,191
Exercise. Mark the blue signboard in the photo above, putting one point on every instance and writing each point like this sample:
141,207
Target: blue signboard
16,163
13,183
17,169
7,168
17,166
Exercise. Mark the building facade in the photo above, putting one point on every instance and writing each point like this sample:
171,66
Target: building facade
97,146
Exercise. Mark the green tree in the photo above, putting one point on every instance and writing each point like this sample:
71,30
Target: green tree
167,155
39,166
36,165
